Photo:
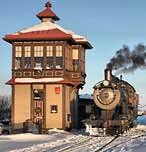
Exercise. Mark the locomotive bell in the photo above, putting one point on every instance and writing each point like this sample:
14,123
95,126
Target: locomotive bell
108,74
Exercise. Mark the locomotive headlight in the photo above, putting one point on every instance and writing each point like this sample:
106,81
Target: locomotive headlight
105,83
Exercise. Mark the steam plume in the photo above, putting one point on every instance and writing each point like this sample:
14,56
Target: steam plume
126,61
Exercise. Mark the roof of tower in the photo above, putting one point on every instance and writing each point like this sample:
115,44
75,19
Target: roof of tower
47,30
47,13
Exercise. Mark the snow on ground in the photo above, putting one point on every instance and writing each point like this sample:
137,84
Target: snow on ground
22,141
57,139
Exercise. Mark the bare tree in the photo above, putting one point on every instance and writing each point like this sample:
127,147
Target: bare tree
5,107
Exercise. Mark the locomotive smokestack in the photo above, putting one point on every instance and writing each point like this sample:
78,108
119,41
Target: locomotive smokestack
108,74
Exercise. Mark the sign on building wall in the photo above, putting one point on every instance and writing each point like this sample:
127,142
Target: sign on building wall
57,90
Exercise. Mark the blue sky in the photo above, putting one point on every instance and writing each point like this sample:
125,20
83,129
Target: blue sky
107,24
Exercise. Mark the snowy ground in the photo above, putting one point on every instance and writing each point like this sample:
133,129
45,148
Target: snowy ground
59,140
22,141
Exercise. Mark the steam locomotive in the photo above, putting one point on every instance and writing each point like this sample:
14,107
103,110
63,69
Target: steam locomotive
115,105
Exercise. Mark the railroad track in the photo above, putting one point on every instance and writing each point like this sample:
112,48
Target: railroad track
72,144
121,140
81,143
111,141
78,143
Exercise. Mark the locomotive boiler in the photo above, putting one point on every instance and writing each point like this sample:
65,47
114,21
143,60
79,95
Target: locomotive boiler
115,105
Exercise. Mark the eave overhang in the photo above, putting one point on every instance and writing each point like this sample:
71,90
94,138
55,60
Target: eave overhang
15,81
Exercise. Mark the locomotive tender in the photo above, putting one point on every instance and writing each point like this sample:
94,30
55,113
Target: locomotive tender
116,105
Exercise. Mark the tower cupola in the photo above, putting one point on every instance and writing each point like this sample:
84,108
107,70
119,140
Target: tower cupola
47,15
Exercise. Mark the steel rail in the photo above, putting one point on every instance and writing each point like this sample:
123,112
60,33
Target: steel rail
104,149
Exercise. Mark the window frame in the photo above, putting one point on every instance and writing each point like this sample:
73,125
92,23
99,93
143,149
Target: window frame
38,94
18,51
38,51
53,109
59,57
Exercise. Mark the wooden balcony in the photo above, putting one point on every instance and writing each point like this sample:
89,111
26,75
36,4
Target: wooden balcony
75,76
38,73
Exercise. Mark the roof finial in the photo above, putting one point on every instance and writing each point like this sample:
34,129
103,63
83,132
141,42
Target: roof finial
47,14
48,4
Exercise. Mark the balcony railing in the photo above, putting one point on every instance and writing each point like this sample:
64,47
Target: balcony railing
48,73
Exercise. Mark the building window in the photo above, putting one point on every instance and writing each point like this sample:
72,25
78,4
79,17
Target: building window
59,57
75,59
75,65
54,109
49,51
27,57
38,57
75,54
38,51
58,50
50,64
18,51
38,94
18,57
18,62
27,62
49,55
27,51
38,63
59,62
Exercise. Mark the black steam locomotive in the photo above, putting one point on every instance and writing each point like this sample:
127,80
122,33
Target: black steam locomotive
115,106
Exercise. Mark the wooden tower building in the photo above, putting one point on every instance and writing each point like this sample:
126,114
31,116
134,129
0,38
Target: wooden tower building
48,69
